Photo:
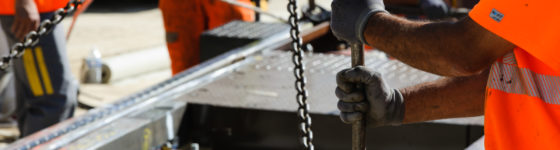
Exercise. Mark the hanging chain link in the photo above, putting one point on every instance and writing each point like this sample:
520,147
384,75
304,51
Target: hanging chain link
297,59
32,38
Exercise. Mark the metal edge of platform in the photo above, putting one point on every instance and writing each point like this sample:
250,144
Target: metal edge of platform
145,130
165,99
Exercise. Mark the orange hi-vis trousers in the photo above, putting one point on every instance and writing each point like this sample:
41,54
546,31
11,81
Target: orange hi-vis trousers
185,20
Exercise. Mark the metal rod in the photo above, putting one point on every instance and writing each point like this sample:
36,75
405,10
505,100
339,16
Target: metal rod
358,128
312,5
357,52
236,3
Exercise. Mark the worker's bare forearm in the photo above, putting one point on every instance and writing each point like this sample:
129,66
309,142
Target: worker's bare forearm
21,2
446,48
449,97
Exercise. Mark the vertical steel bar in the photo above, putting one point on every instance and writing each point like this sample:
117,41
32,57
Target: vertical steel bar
357,52
312,5
358,128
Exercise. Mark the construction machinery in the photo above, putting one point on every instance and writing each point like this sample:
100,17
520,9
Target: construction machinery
244,98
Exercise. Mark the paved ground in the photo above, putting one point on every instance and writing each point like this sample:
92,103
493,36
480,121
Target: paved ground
118,28
113,32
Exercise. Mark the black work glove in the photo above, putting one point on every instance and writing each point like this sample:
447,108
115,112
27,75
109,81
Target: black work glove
381,104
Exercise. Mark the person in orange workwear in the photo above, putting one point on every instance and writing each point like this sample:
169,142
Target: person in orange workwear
46,92
185,20
500,61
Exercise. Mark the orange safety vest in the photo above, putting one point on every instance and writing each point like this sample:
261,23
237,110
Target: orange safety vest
523,91
7,6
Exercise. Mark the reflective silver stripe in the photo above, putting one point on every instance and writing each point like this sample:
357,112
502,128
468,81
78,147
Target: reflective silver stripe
509,59
506,76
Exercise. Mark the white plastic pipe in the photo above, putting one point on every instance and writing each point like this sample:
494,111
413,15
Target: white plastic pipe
134,64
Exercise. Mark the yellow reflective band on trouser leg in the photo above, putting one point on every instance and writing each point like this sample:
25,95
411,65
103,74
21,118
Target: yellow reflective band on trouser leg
44,71
31,71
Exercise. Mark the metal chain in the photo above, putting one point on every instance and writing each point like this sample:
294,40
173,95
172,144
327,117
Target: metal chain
32,38
297,59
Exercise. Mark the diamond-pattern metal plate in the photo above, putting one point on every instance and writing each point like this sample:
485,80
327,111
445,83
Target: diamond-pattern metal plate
268,82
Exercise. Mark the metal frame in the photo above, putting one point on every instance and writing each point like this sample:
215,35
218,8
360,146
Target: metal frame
134,116
95,119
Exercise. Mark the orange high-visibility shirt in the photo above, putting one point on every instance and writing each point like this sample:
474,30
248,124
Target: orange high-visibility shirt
523,91
7,6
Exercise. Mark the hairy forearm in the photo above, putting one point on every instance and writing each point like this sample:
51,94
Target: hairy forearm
444,48
21,2
449,97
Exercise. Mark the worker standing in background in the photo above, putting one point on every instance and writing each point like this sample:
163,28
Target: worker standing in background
500,61
185,20
46,90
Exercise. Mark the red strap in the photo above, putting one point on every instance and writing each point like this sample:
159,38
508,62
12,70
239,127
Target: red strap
85,5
